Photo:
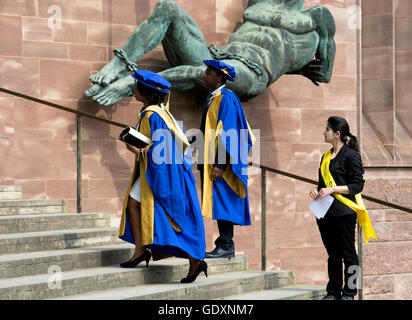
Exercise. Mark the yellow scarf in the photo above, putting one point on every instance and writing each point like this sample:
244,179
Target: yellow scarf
358,207
173,126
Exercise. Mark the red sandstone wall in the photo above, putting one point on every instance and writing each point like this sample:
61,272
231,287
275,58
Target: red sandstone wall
387,140
386,82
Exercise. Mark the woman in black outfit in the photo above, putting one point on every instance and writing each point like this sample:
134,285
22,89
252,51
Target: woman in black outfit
337,228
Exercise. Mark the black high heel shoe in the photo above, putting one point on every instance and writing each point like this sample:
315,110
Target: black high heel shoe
144,256
201,267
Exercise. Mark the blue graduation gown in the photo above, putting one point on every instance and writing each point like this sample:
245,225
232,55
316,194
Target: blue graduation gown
175,197
229,194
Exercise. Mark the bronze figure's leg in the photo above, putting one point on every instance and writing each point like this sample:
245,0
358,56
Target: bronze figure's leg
285,40
182,39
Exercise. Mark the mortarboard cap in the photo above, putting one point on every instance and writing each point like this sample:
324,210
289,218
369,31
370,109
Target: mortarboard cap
224,68
152,80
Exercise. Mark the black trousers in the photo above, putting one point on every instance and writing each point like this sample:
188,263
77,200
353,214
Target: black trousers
225,239
338,236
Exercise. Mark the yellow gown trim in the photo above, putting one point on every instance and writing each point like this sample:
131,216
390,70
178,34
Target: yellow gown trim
358,207
213,131
173,126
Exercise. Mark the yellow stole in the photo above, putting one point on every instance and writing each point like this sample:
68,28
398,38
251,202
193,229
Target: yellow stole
177,133
358,207
213,131
147,197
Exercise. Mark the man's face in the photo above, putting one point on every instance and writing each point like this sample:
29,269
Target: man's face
211,78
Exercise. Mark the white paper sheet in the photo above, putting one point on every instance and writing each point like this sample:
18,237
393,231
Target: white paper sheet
320,207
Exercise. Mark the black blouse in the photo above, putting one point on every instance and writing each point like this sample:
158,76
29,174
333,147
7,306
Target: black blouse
347,170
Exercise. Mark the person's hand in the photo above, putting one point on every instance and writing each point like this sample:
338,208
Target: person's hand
313,194
133,149
216,173
317,195
324,192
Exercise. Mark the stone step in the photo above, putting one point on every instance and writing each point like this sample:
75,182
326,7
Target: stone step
77,282
20,207
294,292
212,287
53,240
10,193
32,263
48,222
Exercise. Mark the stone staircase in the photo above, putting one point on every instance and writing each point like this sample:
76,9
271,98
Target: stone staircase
46,253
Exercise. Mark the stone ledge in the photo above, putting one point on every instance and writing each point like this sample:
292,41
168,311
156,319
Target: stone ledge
215,286
54,240
31,203
10,188
95,279
27,207
45,222
296,292
10,195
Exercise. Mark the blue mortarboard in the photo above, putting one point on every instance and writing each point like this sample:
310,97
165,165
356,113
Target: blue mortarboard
152,80
222,67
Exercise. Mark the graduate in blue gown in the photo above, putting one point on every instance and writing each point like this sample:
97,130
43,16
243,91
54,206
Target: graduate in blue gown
227,142
161,210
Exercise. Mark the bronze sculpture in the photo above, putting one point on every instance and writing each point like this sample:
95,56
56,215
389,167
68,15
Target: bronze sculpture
277,37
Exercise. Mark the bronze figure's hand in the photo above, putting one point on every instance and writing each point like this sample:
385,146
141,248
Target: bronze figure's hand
312,71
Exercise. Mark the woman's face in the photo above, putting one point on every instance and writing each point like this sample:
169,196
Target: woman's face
331,136
137,95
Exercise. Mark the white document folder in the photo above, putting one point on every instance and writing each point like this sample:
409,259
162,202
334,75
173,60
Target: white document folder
321,207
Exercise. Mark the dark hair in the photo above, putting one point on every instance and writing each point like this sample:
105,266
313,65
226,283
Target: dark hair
341,125
153,95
